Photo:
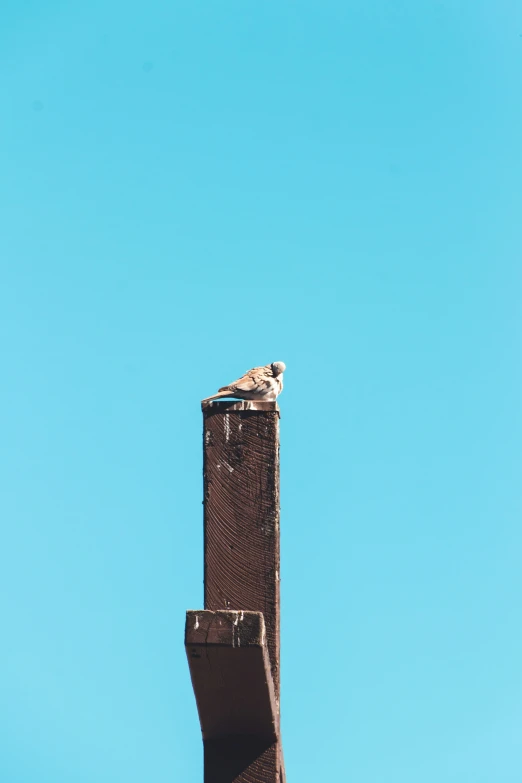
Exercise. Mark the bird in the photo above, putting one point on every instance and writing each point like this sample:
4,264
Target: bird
260,383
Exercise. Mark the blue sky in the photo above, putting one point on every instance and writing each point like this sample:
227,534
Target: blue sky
189,189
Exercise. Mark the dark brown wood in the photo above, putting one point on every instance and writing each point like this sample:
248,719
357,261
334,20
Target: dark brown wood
242,759
241,502
231,676
233,644
241,518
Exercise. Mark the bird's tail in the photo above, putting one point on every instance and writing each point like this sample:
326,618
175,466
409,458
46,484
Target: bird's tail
218,396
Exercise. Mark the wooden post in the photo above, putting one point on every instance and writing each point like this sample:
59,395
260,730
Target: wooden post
233,645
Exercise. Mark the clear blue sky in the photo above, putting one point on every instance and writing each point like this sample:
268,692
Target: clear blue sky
192,188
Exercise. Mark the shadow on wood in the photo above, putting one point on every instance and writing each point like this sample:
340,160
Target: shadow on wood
241,758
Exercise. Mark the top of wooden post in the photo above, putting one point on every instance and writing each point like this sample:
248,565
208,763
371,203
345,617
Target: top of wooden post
225,406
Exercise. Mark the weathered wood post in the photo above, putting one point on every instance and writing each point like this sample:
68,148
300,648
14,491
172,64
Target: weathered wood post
233,644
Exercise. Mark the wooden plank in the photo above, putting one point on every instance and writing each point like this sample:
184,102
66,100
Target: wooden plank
241,513
231,676
241,518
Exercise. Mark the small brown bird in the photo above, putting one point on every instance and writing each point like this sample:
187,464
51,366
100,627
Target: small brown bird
261,383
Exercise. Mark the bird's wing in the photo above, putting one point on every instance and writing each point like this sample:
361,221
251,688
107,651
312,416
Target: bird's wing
252,381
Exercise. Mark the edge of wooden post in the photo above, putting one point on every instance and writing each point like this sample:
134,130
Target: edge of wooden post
224,406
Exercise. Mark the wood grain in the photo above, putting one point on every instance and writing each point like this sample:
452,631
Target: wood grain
242,570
